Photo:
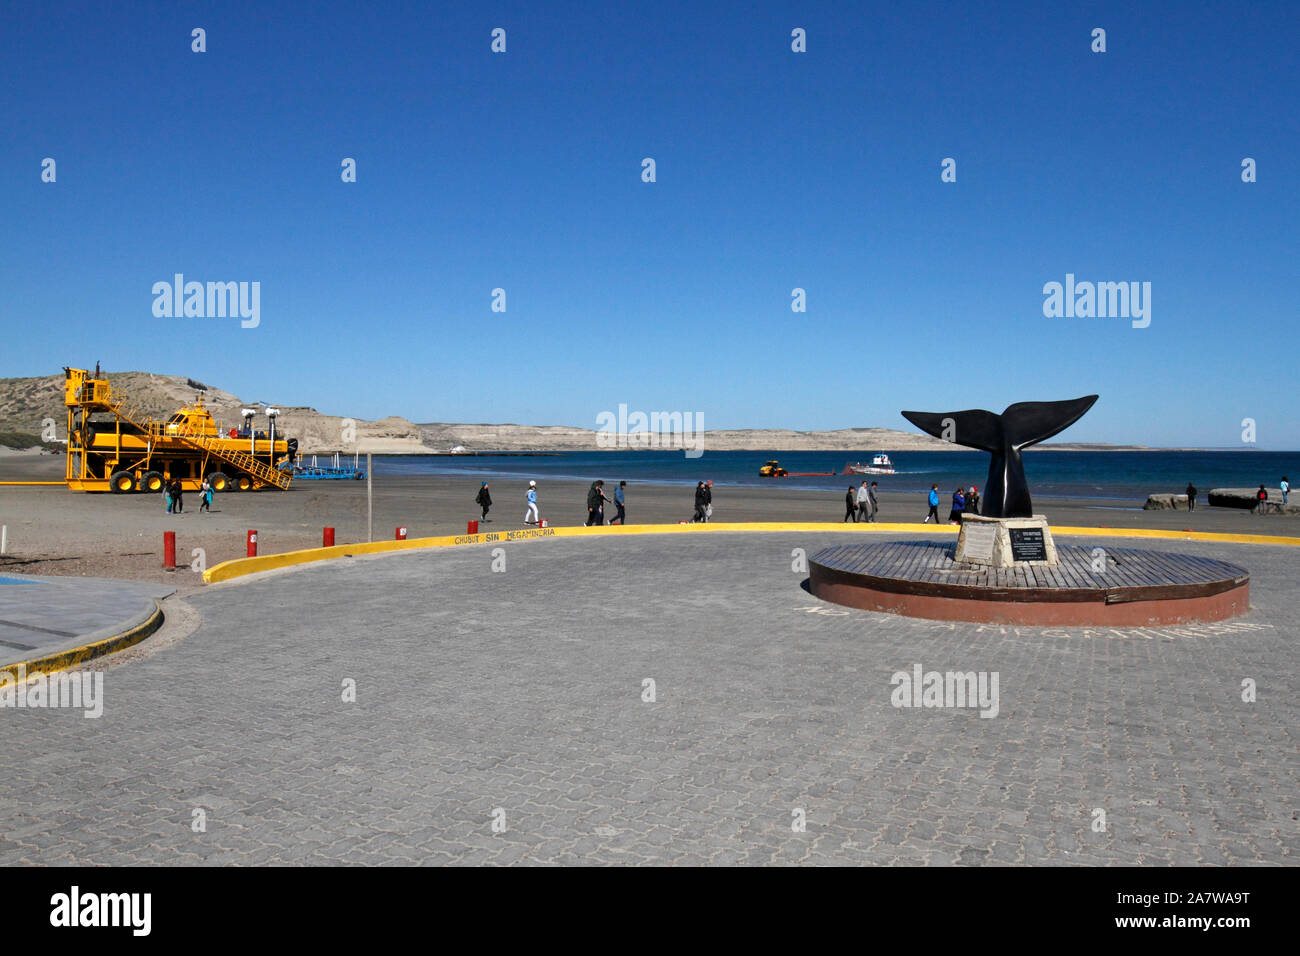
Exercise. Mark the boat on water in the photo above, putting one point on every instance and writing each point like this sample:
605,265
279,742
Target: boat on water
880,465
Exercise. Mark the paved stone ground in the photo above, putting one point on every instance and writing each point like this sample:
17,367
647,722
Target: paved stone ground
522,691
42,615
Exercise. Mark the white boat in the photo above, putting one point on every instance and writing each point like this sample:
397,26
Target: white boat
880,465
458,450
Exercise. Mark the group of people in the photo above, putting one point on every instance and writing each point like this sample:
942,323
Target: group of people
1261,496
861,504
174,496
596,501
963,502
531,516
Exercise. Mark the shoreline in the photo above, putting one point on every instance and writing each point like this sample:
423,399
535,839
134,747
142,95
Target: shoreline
55,531
946,447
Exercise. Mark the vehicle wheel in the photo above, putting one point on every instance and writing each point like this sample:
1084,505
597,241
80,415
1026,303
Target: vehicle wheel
219,481
87,436
152,481
243,483
121,482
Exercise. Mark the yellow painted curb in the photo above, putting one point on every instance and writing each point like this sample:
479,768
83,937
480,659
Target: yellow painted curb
239,567
62,660
1223,537
228,570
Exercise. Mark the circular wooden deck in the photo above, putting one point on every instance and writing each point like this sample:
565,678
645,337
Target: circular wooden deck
920,579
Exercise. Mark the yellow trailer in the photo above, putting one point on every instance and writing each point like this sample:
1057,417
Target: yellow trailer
112,447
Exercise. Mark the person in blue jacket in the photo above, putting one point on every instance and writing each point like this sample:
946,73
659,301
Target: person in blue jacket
958,506
934,505
620,499
532,515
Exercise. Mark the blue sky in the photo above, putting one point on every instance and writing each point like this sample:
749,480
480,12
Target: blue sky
775,170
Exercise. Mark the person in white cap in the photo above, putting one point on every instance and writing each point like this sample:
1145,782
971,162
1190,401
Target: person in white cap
532,515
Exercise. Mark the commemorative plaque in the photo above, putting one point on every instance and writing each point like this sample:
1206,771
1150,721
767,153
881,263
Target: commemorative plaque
1027,544
1004,542
978,541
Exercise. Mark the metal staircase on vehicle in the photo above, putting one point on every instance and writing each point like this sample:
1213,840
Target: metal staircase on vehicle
240,459
207,443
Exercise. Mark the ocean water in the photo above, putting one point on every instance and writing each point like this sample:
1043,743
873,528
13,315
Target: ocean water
1119,478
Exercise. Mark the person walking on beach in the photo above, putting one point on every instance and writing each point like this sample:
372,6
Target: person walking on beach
699,502
178,500
850,507
934,505
1191,497
1261,497
1286,488
205,497
596,503
958,506
536,516
708,500
484,500
873,501
973,500
864,501
619,501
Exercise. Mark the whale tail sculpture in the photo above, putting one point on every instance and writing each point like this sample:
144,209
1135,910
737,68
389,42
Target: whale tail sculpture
1006,495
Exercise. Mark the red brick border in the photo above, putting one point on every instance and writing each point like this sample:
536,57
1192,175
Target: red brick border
1217,601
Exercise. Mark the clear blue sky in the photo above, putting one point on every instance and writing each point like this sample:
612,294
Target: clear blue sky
775,170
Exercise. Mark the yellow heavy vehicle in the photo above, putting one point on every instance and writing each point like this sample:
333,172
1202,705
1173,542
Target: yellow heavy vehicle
112,447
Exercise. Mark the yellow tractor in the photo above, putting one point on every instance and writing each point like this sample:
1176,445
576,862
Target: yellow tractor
112,447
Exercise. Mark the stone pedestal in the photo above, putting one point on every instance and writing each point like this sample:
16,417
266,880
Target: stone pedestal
1005,542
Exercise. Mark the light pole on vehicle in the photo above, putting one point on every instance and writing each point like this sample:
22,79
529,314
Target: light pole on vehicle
272,414
248,414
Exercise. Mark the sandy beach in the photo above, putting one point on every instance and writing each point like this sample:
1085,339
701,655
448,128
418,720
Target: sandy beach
52,530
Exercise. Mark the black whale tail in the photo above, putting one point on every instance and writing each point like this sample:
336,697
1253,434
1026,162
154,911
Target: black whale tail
1021,425
974,427
1003,436
1028,423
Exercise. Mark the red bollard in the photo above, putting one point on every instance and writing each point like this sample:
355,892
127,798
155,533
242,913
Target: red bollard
252,544
327,539
471,527
169,550
401,534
